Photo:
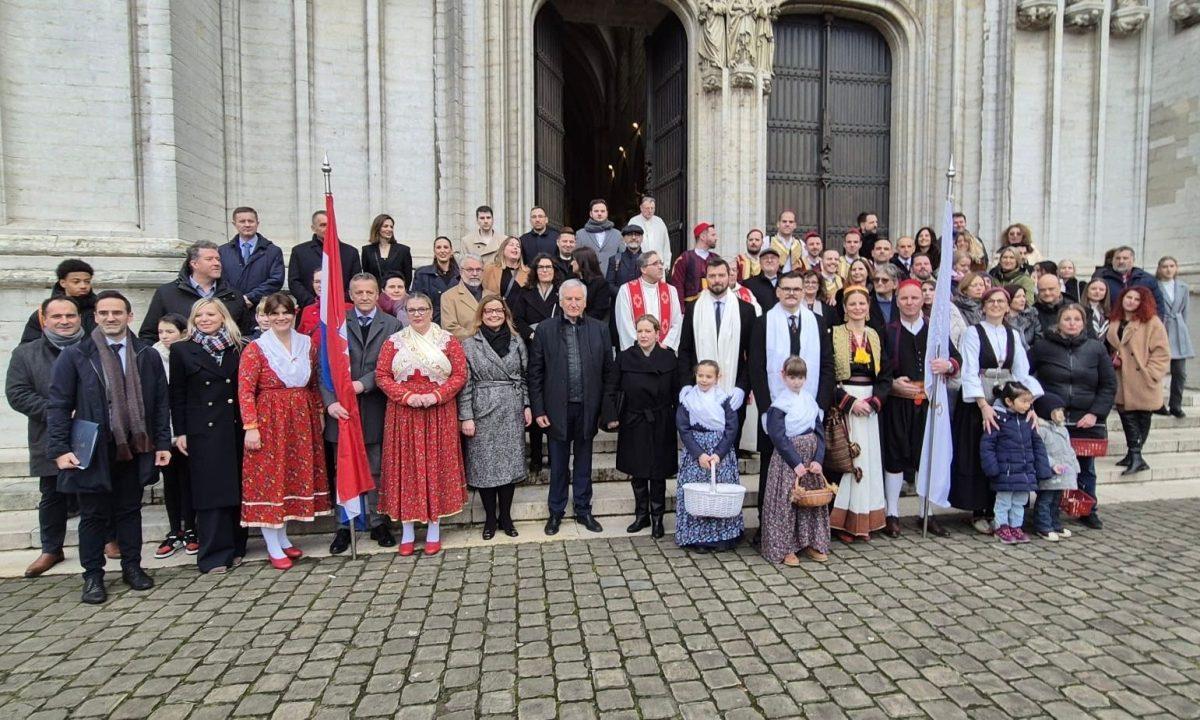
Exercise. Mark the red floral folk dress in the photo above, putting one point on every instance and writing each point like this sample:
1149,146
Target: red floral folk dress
286,479
422,477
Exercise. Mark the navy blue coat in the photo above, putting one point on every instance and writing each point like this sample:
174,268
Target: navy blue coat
1137,276
77,387
1014,457
257,278
549,386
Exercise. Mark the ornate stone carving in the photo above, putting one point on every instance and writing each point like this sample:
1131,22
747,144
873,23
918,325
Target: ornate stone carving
1083,15
1036,14
765,17
713,56
1185,13
742,46
1128,17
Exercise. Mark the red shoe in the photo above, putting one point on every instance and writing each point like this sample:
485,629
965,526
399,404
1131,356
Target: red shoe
406,549
293,552
432,548
845,537
282,563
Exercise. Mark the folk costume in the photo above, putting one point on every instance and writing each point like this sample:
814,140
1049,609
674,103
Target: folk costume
638,298
791,253
862,374
794,425
688,273
277,392
422,478
747,266
708,424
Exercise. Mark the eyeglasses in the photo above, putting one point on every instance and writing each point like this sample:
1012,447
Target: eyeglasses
791,289
545,267
419,311
996,301
493,311
882,280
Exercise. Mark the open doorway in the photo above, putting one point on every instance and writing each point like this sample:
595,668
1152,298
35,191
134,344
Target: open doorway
610,95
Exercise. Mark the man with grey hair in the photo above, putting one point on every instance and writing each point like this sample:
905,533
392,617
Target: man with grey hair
570,365
883,299
656,237
460,302
648,295
200,277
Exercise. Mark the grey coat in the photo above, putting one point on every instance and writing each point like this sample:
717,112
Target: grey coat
1058,452
372,403
27,388
495,397
612,244
1175,317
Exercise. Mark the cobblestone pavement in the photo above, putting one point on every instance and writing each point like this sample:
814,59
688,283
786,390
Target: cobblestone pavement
1102,625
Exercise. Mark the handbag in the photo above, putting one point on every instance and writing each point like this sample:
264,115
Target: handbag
839,450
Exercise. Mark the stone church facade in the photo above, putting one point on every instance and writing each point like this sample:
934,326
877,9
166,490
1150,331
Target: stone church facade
129,128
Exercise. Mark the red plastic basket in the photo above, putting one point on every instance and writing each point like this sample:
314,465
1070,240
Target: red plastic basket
1090,447
1077,503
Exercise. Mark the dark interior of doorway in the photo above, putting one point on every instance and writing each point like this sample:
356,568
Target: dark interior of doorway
604,102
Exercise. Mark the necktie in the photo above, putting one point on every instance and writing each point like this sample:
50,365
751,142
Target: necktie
793,335
364,321
720,304
116,349
245,253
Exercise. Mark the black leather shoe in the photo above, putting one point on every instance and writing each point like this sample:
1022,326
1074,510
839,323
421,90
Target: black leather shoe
656,528
93,590
1178,412
489,532
1092,521
552,524
341,542
935,528
137,579
639,523
1162,411
508,529
383,536
588,522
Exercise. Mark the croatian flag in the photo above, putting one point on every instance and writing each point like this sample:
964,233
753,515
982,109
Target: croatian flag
353,472
937,451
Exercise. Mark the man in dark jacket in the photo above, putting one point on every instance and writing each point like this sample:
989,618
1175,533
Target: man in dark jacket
28,389
570,364
115,382
251,263
623,267
367,329
763,284
1122,274
1050,300
306,259
200,277
540,239
74,281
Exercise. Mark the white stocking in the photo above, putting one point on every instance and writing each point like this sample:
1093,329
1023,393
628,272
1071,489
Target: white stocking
892,482
433,533
271,536
407,534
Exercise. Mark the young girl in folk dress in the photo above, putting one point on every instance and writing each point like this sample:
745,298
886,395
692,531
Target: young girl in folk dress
794,425
421,369
708,426
283,473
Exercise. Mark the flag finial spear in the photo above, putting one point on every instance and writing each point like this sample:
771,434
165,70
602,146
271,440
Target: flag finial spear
327,170
950,173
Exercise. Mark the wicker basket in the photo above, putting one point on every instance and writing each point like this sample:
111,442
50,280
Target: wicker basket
802,497
713,499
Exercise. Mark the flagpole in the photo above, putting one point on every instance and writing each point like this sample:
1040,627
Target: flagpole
937,379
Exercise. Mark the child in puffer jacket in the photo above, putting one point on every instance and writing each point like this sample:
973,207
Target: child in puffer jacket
1014,459
1053,432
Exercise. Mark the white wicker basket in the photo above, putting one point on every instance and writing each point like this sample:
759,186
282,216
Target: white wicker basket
713,499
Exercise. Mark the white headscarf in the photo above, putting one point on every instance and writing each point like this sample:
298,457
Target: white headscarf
293,368
800,411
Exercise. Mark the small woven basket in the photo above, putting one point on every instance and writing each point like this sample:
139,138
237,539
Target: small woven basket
713,499
802,497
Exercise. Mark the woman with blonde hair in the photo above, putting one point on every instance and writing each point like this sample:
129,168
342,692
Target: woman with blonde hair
493,411
1019,237
506,273
208,430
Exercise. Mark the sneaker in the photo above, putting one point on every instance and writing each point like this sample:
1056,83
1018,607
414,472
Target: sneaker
1018,536
1051,536
168,546
191,545
1063,533
982,526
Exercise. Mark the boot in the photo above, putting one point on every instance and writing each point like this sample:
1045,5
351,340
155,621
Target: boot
1138,462
1128,429
641,505
658,506
1136,438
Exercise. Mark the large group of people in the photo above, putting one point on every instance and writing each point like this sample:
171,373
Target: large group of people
467,369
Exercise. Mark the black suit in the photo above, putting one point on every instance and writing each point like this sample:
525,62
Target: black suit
399,260
763,290
204,407
306,259
573,425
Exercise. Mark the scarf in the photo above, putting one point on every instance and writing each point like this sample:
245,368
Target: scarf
126,411
969,308
294,369
216,344
800,411
779,349
421,353
706,409
598,228
62,341
498,338
722,346
1099,321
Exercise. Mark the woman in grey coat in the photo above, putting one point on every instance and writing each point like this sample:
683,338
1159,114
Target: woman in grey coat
1174,316
493,410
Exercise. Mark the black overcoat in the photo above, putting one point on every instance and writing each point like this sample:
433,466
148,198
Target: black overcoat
548,375
204,407
646,443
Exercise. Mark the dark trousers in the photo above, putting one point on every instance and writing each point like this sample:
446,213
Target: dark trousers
766,449
177,493
561,474
1087,477
222,537
536,434
1045,510
118,511
1178,376
52,515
